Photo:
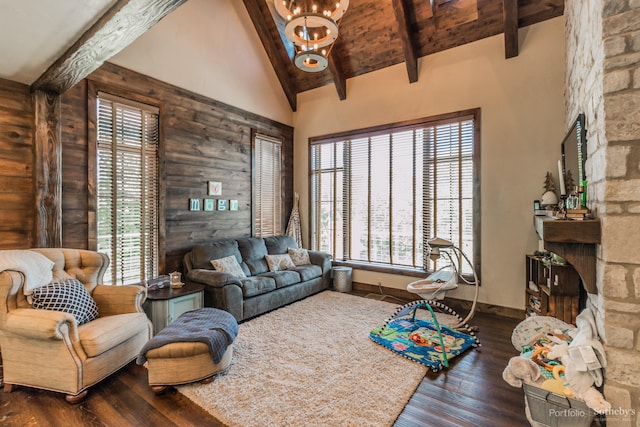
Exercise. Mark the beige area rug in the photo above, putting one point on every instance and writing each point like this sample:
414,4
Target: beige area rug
312,364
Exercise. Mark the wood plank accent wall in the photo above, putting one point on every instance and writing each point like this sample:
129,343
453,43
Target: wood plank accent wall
201,140
74,167
17,199
47,162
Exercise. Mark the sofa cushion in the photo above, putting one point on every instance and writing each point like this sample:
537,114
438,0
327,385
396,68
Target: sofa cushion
253,251
69,296
308,272
107,332
279,262
229,265
203,254
299,256
257,285
283,278
279,244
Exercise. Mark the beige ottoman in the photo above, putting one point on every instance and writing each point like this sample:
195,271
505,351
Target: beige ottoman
182,363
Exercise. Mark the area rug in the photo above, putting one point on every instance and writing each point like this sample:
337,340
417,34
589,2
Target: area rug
312,364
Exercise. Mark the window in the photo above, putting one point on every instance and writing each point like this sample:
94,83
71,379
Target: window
127,188
377,195
267,152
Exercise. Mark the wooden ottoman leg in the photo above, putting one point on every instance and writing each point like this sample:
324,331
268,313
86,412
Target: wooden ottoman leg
158,389
77,398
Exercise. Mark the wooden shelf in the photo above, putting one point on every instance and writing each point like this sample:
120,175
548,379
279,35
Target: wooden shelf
561,298
576,242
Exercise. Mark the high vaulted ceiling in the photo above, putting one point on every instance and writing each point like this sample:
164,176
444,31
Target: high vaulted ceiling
374,34
53,45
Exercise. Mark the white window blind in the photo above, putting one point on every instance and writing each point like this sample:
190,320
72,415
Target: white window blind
267,185
377,196
127,188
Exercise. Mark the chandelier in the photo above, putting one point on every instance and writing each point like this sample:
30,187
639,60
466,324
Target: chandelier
312,27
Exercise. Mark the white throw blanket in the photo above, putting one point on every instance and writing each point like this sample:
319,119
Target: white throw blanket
37,268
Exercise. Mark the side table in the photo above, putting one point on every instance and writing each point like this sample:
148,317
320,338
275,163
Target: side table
163,306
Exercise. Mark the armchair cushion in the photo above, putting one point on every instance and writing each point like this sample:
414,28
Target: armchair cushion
69,296
108,332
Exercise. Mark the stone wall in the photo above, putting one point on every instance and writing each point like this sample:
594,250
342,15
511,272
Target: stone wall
603,81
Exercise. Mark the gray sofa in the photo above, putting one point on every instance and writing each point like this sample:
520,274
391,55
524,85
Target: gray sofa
262,290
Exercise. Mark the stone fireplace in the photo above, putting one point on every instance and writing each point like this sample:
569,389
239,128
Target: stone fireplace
603,81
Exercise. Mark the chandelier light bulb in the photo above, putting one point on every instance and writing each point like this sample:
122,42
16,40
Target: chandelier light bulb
314,8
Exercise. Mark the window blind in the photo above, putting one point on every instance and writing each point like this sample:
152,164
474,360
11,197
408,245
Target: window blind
267,185
127,188
378,195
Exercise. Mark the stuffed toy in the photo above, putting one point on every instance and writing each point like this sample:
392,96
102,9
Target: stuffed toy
577,384
522,370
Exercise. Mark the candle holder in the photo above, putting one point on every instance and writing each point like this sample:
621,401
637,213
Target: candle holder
562,207
583,197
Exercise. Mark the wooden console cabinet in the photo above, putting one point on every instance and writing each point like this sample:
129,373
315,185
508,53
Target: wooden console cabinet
552,289
556,288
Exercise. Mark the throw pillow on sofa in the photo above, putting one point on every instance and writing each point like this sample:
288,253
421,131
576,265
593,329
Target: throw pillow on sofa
229,265
69,296
299,256
279,262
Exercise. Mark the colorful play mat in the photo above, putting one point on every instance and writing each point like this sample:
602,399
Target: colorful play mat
423,340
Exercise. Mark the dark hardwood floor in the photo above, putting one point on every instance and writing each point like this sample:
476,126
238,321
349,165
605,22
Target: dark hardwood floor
470,393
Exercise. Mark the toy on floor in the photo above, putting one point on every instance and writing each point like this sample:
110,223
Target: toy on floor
423,340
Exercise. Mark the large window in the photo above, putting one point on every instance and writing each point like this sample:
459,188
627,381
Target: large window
127,188
377,195
267,184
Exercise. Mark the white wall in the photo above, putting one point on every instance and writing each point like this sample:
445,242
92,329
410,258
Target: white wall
210,47
522,126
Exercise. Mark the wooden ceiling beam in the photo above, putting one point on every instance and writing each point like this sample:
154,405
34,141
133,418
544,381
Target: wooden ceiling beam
262,20
408,48
124,22
338,77
510,14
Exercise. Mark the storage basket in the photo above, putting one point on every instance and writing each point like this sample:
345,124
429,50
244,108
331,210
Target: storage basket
553,410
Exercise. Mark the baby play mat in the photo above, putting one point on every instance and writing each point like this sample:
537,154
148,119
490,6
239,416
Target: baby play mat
423,339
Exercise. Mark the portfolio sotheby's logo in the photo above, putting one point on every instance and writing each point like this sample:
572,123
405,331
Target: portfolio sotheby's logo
619,413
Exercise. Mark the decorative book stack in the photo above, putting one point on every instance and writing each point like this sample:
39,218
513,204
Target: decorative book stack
578,214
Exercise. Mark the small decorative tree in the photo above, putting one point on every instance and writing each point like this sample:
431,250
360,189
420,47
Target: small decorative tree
568,180
549,185
549,197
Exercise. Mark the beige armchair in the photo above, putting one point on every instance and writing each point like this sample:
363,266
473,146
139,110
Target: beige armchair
48,350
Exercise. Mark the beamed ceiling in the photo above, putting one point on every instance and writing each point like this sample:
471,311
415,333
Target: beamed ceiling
374,34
